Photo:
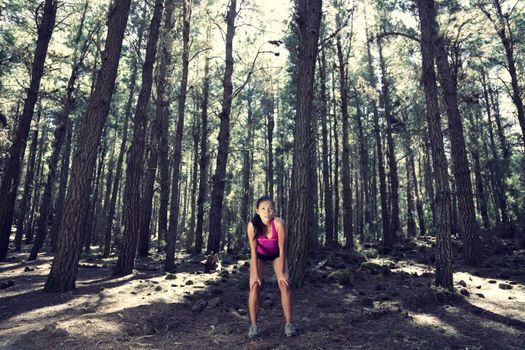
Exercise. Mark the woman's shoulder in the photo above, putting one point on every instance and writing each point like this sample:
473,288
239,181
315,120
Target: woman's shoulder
279,222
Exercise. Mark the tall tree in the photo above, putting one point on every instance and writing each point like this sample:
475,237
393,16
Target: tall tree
328,198
65,265
169,263
394,225
443,222
219,178
60,134
28,186
385,218
135,164
203,164
502,22
347,182
467,218
307,22
11,174
162,115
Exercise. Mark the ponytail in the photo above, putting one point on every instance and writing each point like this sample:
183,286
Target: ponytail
258,225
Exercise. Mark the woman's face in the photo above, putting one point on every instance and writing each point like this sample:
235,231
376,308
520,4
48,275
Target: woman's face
265,211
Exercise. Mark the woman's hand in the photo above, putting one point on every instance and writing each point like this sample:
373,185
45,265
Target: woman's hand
254,280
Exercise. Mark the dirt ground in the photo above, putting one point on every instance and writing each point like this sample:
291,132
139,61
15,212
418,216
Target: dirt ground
350,301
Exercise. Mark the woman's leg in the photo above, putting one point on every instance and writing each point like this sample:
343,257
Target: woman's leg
255,289
286,294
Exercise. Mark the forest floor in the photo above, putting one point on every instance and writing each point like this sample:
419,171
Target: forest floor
349,301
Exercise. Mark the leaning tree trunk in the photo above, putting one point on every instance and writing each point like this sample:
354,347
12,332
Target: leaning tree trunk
65,265
347,185
442,203
203,163
169,263
11,174
219,178
467,218
135,164
308,19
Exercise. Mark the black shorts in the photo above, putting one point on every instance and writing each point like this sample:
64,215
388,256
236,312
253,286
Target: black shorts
264,257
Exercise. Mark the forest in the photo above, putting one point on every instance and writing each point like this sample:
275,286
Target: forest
137,136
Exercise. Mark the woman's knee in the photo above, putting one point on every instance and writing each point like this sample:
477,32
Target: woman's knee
283,286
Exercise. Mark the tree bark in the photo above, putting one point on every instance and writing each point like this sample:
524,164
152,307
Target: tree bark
347,184
308,19
390,238
11,174
502,26
385,218
169,263
28,187
467,218
328,197
219,178
135,164
203,163
64,175
65,265
442,203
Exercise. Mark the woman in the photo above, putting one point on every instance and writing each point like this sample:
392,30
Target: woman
267,237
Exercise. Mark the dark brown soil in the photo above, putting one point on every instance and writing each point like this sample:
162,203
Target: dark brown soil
349,301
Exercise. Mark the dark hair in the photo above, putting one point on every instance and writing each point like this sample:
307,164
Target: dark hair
258,225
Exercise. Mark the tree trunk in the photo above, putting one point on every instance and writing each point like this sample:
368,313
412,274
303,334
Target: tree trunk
410,221
135,164
169,263
328,197
30,228
419,202
60,136
196,139
385,218
219,178
443,221
28,186
364,171
347,185
308,19
203,163
270,122
480,188
467,218
65,265
159,145
336,180
389,238
246,167
502,26
11,174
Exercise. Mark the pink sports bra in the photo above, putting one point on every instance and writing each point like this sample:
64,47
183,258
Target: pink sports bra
268,246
